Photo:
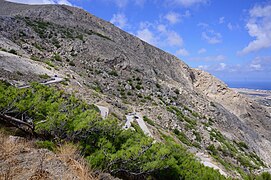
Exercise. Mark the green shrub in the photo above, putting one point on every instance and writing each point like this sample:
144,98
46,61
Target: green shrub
113,73
148,120
81,37
184,139
44,76
36,45
138,87
198,137
57,57
34,58
56,43
212,150
196,144
98,88
176,131
148,98
13,51
71,63
49,63
46,144
242,145
19,73
177,91
244,161
3,49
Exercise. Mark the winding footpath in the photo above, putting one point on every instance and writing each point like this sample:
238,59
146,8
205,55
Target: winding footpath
138,117
53,80
103,110
207,161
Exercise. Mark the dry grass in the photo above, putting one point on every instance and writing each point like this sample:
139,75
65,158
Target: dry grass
40,173
70,155
10,146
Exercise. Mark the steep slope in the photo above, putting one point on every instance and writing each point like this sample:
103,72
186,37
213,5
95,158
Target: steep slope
248,111
103,63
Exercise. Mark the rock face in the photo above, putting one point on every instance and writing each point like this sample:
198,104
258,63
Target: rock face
129,74
254,116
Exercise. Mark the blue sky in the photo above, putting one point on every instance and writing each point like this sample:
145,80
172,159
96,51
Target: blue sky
231,39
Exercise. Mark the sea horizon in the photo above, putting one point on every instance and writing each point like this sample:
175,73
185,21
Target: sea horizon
249,85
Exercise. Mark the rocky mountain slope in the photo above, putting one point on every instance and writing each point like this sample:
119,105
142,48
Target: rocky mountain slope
100,62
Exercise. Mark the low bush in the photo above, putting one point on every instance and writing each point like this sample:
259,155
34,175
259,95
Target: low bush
148,120
13,51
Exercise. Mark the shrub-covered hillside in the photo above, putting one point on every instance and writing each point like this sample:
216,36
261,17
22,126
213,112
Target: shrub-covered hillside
58,118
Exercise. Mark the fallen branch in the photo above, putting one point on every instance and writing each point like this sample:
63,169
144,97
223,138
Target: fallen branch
15,121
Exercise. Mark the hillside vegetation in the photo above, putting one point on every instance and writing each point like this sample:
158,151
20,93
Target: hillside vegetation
59,118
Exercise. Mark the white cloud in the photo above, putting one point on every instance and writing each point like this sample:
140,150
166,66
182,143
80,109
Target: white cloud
221,20
186,14
119,20
66,2
256,67
209,58
146,35
145,24
215,67
211,37
203,67
230,26
260,64
182,52
174,39
173,17
140,2
203,25
209,34
221,67
161,28
121,3
159,35
189,3
124,3
201,51
259,27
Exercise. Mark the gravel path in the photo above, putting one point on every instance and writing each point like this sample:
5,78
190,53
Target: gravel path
138,117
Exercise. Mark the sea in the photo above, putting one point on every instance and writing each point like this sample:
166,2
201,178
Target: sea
249,85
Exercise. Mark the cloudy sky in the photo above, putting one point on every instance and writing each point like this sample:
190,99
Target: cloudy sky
229,38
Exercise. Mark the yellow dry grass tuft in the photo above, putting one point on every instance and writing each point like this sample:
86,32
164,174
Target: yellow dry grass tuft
40,175
10,145
69,154
11,148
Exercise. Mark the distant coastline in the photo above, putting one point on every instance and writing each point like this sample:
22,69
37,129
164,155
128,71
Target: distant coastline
249,85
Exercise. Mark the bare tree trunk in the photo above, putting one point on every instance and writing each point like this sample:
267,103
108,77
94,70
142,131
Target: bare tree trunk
16,122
